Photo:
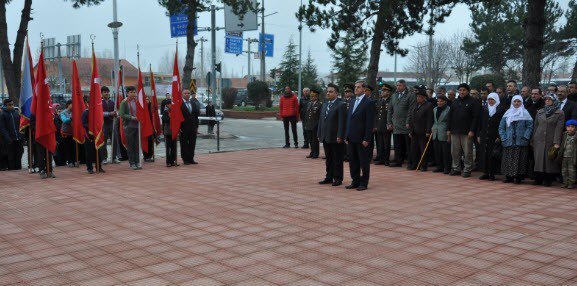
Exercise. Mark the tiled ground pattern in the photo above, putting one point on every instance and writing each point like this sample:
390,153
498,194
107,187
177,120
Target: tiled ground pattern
260,218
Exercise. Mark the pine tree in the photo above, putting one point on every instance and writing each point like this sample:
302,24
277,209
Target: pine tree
289,68
349,59
310,77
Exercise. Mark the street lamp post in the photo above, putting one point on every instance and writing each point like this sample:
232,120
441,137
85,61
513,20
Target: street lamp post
262,46
114,25
300,55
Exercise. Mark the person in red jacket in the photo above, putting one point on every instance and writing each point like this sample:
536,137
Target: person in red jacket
289,112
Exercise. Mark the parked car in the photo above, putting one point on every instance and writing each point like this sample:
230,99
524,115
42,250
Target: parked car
242,98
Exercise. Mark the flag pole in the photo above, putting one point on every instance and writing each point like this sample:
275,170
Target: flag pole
177,139
97,163
77,161
139,123
114,118
151,105
29,149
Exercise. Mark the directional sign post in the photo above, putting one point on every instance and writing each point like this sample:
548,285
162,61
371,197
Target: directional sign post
268,44
178,25
234,23
233,43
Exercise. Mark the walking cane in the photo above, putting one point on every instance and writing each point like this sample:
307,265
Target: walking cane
29,150
424,152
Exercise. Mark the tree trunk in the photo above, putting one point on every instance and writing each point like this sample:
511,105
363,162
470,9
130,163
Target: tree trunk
574,76
376,44
190,48
11,65
533,50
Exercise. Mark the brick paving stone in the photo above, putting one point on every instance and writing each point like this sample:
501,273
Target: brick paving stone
242,218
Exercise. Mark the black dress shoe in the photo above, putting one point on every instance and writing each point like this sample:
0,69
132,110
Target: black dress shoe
306,146
90,171
314,157
187,163
484,177
361,188
379,163
337,183
454,173
194,163
309,156
101,171
396,165
386,163
286,146
438,171
326,182
351,186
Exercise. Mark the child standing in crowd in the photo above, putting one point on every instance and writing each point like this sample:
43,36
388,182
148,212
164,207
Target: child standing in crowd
568,154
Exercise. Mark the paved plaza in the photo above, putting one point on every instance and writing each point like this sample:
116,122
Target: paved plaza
259,218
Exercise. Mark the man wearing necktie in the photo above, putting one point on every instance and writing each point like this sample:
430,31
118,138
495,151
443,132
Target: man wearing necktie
358,136
189,127
331,132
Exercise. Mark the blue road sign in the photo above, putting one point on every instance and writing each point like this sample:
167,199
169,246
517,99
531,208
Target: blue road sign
268,44
233,43
178,24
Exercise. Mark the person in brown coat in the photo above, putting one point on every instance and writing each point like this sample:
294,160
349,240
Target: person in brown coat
548,130
420,124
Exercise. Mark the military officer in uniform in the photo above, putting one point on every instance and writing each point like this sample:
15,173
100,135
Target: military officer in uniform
383,134
348,98
312,114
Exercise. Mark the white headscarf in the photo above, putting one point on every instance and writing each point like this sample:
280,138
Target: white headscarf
516,114
493,109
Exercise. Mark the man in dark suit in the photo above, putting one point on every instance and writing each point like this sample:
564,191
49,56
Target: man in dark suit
331,131
566,105
420,124
383,141
360,122
189,127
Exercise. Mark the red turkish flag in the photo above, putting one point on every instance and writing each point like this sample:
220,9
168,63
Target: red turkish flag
143,114
95,112
45,129
78,132
176,117
154,103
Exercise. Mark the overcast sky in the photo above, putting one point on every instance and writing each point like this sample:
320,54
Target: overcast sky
146,24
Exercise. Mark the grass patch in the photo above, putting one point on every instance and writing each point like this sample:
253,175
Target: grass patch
252,108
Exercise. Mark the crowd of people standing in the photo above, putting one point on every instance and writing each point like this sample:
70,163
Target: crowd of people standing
518,134
120,130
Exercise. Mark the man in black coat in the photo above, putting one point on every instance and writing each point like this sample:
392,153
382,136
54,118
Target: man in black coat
189,127
568,106
331,131
210,112
311,121
383,141
462,128
420,124
11,137
303,102
535,103
360,122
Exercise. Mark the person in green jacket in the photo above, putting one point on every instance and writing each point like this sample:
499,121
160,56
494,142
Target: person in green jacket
130,126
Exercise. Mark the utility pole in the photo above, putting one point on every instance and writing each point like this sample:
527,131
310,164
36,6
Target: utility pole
430,61
249,54
300,55
202,75
262,46
213,50
1,81
60,78
114,25
395,72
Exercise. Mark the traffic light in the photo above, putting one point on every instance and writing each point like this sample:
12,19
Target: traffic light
217,66
380,81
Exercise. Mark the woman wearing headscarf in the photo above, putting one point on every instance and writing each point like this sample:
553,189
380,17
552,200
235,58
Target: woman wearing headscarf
515,131
489,137
549,124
